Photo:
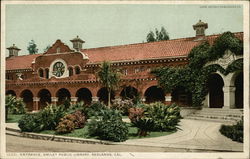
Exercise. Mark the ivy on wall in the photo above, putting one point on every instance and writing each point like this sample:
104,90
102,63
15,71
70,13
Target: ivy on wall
193,77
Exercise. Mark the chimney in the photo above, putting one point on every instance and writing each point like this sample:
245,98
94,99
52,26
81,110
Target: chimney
200,28
13,50
77,43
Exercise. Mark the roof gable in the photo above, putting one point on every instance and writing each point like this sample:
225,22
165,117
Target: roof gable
58,47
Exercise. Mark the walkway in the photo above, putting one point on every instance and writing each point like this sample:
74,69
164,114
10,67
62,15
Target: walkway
194,135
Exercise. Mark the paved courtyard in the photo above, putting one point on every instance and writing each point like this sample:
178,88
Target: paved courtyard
193,135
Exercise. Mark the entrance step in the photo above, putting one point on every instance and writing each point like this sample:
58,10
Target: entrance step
217,115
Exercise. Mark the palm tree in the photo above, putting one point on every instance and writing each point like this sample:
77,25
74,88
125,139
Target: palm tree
109,78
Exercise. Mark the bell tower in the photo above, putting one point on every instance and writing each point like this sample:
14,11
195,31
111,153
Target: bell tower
77,43
200,28
13,50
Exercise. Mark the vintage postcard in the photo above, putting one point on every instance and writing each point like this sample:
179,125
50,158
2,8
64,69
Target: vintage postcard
125,79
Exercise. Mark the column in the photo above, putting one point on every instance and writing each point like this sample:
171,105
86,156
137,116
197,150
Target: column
206,101
73,100
35,103
229,97
168,98
54,100
95,99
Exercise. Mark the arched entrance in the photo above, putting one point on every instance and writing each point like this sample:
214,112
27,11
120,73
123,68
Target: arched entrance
154,94
10,92
215,88
129,93
84,95
182,97
239,90
103,95
27,96
63,95
45,98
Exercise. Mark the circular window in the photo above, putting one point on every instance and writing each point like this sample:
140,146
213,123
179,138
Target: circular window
58,69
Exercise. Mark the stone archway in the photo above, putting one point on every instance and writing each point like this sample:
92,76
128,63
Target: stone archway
84,95
27,96
45,98
154,94
103,95
215,88
129,93
181,96
63,94
239,90
10,92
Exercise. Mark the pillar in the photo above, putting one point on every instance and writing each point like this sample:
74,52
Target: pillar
95,99
35,103
229,97
73,100
206,101
168,98
54,100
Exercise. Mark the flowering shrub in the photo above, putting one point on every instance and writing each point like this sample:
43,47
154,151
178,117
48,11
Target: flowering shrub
123,105
66,125
135,114
80,119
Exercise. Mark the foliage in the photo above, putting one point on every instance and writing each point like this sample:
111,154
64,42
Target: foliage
144,125
66,125
14,106
123,105
108,126
235,132
158,36
135,114
47,119
77,106
95,109
109,78
80,119
165,118
32,47
193,77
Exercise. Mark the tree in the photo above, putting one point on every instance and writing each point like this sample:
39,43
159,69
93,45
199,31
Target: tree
32,47
14,106
162,35
109,78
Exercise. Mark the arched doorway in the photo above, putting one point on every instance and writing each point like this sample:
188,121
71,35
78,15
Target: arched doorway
103,95
129,93
239,90
27,96
84,95
215,89
154,94
63,95
45,98
182,97
10,92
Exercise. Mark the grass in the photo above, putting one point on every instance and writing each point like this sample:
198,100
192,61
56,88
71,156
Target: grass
83,133
13,118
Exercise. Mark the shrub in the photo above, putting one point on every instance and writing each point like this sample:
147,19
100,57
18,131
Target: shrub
234,132
108,126
123,105
29,123
144,126
66,125
78,106
46,119
165,117
135,114
80,119
95,109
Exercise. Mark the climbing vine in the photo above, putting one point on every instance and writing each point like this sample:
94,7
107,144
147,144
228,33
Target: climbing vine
193,77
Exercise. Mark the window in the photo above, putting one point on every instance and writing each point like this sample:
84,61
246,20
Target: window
77,70
58,50
47,73
58,69
70,71
125,72
40,72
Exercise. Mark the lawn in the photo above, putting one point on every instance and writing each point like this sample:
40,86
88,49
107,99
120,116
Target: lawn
82,133
13,118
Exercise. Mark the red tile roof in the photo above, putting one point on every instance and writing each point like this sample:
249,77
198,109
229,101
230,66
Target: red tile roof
20,62
141,51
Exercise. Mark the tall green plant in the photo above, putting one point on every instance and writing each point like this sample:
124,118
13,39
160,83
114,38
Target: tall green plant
109,78
14,106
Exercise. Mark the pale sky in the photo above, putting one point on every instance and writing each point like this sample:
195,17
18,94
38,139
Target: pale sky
110,25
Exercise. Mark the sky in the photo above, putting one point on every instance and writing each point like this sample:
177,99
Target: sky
102,25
